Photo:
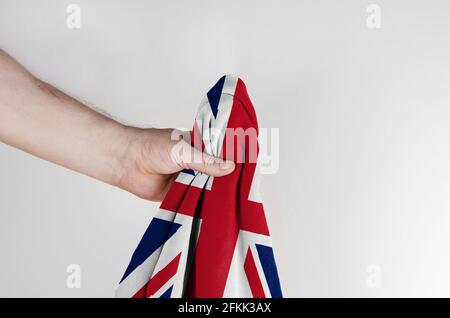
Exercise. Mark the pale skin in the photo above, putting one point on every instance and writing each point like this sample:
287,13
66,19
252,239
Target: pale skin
43,121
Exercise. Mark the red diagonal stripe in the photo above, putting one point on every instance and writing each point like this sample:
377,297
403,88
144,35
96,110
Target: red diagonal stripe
252,276
162,277
182,198
157,281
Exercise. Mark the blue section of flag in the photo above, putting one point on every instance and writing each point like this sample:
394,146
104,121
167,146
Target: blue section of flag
157,233
188,171
214,96
167,293
270,269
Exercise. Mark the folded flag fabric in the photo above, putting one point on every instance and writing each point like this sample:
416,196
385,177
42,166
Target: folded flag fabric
210,236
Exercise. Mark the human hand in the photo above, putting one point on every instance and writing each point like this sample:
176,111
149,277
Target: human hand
41,120
152,158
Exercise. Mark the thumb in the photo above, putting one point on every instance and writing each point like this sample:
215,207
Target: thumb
192,158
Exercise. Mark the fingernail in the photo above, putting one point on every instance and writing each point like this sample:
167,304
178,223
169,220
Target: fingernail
227,165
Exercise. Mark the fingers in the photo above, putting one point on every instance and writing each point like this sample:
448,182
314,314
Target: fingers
192,158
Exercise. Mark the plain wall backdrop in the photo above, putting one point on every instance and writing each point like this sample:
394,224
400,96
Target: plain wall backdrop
362,195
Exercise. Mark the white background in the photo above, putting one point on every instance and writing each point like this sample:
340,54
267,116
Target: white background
364,128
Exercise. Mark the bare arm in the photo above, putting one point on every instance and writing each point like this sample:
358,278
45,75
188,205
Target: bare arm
45,122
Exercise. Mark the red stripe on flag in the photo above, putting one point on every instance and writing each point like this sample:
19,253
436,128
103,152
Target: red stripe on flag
140,293
182,198
157,281
163,276
252,276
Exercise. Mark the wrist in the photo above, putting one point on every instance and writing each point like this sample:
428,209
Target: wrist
133,142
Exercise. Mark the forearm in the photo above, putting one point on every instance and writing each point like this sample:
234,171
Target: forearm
47,123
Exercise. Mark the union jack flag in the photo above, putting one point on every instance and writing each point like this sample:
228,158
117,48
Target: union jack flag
210,236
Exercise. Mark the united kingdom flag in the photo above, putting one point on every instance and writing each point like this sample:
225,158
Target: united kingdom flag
210,236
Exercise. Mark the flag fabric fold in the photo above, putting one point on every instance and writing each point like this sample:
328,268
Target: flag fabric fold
210,237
